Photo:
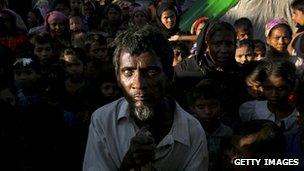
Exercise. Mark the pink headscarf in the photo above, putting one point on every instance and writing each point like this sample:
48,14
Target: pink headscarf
52,16
272,23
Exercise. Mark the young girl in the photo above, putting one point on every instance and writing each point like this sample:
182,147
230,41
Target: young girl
259,49
77,31
244,51
278,79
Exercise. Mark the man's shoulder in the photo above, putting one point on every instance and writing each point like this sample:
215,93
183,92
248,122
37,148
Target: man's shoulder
109,111
193,124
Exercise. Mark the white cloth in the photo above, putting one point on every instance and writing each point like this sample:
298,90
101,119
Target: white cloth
298,50
299,63
255,109
111,129
259,12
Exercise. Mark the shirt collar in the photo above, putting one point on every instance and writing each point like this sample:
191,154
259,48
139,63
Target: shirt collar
123,110
180,127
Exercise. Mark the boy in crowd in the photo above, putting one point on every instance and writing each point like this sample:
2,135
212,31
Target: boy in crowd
243,28
205,101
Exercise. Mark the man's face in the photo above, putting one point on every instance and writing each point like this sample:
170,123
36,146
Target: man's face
276,90
279,39
297,17
141,78
221,48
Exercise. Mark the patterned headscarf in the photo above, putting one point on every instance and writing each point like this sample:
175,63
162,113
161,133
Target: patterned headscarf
272,23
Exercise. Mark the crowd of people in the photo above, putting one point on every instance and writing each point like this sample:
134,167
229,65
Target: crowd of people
100,85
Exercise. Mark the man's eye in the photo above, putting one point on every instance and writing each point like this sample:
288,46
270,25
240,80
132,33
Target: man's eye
152,73
127,73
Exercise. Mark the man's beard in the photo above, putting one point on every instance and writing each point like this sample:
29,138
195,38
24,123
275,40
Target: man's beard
142,113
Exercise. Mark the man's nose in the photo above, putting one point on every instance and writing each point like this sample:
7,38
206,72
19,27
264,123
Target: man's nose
139,81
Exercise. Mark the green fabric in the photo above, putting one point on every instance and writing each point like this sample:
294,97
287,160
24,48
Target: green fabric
209,8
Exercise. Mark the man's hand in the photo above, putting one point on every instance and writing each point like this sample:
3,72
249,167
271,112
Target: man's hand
141,150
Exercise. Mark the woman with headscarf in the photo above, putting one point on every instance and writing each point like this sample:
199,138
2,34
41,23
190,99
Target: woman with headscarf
278,36
139,17
57,25
216,46
167,19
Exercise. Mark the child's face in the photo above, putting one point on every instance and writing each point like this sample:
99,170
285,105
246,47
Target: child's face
298,17
109,89
242,34
75,24
7,96
254,88
244,55
113,15
276,90
98,51
31,19
76,4
63,8
43,52
207,110
88,10
259,54
139,18
73,66
26,78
